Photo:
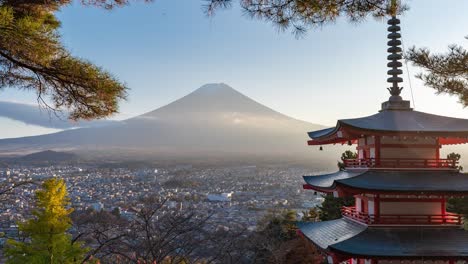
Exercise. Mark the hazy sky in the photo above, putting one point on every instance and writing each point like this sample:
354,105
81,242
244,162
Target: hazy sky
168,48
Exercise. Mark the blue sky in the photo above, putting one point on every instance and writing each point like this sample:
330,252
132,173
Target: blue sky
168,48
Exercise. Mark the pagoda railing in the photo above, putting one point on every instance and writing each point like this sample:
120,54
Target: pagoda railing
400,163
403,219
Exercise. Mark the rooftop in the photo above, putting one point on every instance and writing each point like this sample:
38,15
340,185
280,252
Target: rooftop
347,238
395,122
407,181
327,233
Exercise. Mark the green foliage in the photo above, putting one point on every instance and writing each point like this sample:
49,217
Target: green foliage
33,58
279,225
311,215
116,212
300,15
459,206
456,157
348,154
277,241
47,240
446,73
331,207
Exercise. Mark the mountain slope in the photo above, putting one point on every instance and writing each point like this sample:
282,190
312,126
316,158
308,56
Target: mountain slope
48,156
34,115
213,119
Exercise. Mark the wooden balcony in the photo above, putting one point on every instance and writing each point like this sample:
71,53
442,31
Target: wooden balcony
369,219
401,163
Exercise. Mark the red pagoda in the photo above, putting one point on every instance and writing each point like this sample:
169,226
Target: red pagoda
399,181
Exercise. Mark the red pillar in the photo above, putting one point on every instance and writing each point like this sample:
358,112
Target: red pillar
377,207
443,209
377,151
438,163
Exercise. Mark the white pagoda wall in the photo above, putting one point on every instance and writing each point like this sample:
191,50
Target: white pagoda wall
362,142
408,141
372,153
393,152
403,153
358,204
410,208
407,153
371,207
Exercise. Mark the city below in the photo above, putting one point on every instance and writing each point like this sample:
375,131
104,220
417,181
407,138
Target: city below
234,196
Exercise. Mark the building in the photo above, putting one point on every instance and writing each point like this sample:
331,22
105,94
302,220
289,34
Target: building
223,197
399,180
98,206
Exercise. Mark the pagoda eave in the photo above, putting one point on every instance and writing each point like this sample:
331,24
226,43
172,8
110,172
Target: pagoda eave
445,137
341,255
344,239
411,182
344,190
348,134
350,190
395,123
318,189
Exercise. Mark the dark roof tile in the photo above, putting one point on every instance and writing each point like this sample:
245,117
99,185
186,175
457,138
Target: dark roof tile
346,236
400,121
326,233
407,242
381,180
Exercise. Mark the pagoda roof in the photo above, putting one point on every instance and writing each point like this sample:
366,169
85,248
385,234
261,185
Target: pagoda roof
393,122
345,237
391,181
327,233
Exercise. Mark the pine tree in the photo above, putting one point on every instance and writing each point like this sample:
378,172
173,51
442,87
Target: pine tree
47,240
456,158
32,57
311,215
331,207
446,73
301,15
348,154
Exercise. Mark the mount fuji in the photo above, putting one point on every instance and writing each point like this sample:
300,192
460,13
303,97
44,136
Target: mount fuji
214,120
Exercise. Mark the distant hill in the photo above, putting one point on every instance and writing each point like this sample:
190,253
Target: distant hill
48,156
214,120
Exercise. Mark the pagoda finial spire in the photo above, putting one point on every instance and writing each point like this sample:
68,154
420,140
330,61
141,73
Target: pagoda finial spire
394,57
395,102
